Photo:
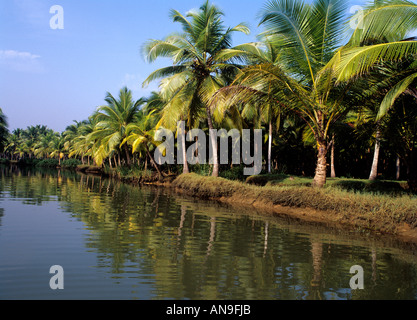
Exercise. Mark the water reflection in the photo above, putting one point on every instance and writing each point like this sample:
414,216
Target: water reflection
178,247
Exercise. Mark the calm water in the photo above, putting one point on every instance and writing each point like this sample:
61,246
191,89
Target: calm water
117,241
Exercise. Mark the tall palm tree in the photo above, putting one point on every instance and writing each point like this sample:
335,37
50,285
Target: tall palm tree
82,145
256,53
13,141
42,148
70,133
140,135
57,147
198,70
307,35
112,121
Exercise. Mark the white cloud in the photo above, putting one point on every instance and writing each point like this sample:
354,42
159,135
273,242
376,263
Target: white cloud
12,54
20,61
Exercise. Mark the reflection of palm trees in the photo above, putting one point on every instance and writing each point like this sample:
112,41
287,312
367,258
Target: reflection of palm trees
212,235
266,238
317,254
182,219
155,202
373,254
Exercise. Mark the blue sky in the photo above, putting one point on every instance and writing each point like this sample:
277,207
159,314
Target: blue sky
54,76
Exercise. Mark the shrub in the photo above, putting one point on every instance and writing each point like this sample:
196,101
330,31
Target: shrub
48,163
28,162
200,169
70,163
234,173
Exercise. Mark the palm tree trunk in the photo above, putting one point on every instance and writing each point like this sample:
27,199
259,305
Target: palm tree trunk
397,168
374,169
269,146
212,235
213,139
185,168
332,169
321,166
127,154
266,238
317,253
154,163
412,171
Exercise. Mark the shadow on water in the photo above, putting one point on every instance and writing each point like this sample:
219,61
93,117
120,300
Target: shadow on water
179,247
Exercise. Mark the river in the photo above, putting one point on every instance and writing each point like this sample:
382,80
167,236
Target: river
120,241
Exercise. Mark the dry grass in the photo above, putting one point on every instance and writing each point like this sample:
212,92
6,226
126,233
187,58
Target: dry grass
379,212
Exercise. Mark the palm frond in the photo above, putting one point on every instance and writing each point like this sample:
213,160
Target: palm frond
350,62
394,93
387,20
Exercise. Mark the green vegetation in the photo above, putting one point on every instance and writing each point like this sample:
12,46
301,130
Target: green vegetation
392,187
318,99
365,210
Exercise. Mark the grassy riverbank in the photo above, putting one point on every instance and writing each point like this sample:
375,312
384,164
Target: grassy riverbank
364,211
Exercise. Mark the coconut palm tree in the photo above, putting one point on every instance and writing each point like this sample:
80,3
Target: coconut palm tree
111,123
70,133
256,53
162,107
13,141
382,33
3,131
82,145
57,147
140,136
307,35
42,148
198,70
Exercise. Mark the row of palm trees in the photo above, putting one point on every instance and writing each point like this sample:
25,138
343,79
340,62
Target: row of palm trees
308,67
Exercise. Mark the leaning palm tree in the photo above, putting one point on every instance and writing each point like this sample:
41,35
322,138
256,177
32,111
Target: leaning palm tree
198,70
112,120
3,130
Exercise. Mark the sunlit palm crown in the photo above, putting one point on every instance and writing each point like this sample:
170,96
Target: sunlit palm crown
198,69
111,121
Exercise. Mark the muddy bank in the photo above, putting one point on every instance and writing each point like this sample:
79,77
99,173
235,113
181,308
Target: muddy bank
396,216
